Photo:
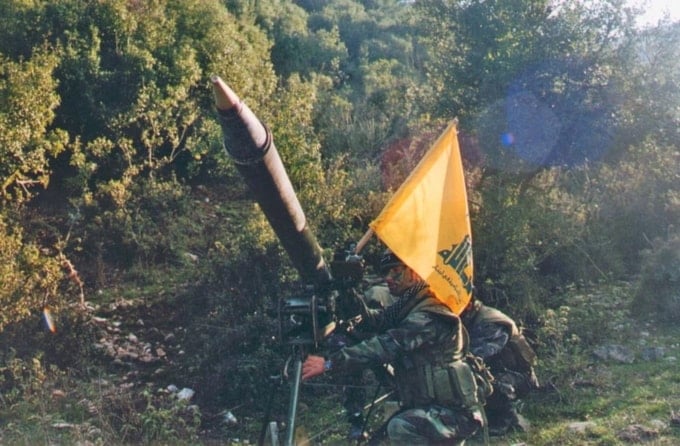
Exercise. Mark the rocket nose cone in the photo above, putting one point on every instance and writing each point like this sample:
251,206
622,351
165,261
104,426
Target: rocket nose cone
225,98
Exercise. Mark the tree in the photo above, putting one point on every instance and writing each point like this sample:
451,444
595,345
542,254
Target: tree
551,106
107,100
28,100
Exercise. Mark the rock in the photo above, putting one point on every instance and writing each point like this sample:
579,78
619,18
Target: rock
185,394
229,419
658,424
675,419
614,352
523,423
637,433
621,354
601,353
191,257
581,427
653,353
99,320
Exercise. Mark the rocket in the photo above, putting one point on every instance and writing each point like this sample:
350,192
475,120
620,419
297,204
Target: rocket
250,145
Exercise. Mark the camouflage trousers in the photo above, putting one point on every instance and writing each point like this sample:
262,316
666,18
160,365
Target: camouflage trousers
508,388
434,425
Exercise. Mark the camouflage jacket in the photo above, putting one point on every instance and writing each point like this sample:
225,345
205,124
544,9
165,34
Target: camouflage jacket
418,336
496,339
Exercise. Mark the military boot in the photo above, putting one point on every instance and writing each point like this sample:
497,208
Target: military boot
510,421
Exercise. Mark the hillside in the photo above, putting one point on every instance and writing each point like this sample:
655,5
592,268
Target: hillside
140,281
133,379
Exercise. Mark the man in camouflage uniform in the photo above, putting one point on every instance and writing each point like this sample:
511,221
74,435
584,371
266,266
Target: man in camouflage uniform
495,338
376,296
423,340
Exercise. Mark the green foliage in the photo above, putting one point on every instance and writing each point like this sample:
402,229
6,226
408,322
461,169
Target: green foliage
28,100
556,337
142,223
123,87
43,403
633,203
106,105
298,48
651,78
474,48
570,226
371,86
30,279
132,79
522,233
548,77
658,289
320,184
21,379
614,398
166,418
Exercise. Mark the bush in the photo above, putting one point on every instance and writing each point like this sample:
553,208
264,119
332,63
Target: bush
144,223
658,289
30,278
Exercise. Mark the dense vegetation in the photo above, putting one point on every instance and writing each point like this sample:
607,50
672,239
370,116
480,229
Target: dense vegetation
118,199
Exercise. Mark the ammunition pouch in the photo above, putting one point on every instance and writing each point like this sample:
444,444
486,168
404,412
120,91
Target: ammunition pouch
462,383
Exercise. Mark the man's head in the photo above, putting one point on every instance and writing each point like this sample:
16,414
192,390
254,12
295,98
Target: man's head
398,276
389,260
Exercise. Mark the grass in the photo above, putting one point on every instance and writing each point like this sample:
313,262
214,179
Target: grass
628,403
95,402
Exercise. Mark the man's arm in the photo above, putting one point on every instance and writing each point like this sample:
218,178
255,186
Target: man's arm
414,331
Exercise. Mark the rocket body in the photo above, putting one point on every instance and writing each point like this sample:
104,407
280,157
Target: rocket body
250,144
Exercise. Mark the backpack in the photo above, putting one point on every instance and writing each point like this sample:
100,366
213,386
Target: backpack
518,355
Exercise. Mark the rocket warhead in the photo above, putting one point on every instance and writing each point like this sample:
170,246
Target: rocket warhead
245,138
250,144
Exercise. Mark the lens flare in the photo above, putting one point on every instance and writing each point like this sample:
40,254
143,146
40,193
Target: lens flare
507,139
49,321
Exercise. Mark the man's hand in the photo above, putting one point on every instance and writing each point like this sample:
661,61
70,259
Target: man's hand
313,366
350,304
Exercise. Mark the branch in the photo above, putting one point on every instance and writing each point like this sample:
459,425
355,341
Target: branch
72,274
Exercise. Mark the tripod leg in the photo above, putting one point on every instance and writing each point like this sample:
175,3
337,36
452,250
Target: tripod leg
294,394
267,423
272,434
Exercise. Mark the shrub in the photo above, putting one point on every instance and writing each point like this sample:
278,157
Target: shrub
30,279
658,288
144,223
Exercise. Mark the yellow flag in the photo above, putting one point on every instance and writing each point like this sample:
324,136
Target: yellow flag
427,223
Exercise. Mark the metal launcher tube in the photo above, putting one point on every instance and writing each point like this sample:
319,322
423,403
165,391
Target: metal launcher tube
250,144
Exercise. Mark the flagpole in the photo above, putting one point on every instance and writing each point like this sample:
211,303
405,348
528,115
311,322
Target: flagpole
364,240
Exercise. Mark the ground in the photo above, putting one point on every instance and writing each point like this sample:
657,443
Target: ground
618,389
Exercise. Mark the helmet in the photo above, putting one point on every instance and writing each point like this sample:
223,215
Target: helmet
389,260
